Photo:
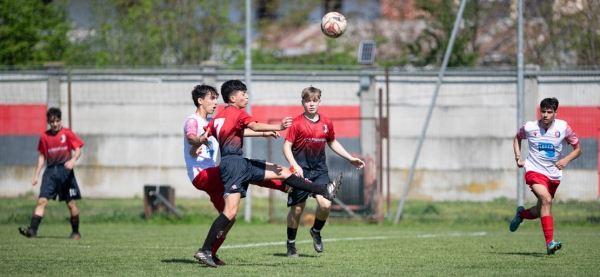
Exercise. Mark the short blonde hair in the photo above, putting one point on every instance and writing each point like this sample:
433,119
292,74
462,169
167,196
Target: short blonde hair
311,92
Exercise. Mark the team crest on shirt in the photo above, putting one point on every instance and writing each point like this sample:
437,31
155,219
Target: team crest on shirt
534,134
63,138
325,130
557,134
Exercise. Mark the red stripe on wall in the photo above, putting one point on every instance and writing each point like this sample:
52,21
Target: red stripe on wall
345,118
584,121
22,119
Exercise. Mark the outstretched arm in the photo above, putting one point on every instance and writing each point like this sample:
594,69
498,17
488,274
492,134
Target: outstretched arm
250,133
286,122
339,149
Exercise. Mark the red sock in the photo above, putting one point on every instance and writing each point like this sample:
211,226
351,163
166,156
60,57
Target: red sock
548,228
217,245
272,184
526,214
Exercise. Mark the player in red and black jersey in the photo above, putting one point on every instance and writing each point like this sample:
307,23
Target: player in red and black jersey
56,147
304,148
236,171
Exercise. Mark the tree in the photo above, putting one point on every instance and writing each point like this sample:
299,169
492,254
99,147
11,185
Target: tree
431,44
32,32
158,32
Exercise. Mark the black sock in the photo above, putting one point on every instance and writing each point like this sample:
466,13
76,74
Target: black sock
291,234
299,183
35,222
75,223
318,225
215,231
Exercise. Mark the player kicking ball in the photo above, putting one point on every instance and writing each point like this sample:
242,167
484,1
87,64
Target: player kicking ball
543,167
236,171
200,160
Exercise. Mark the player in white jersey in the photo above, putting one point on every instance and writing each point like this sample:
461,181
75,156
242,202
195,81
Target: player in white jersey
200,160
544,165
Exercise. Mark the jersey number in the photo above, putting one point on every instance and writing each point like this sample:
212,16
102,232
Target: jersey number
218,123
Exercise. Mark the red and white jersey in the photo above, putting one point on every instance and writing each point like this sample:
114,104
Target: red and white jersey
58,148
546,146
194,125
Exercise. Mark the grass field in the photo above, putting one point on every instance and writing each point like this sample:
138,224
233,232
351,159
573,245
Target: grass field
120,243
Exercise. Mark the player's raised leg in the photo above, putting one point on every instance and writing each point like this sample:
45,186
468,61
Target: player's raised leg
273,171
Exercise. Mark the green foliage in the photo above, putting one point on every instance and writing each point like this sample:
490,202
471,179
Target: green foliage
430,46
156,32
32,32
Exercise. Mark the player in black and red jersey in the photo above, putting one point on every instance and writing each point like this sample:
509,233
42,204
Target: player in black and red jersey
304,149
56,147
236,171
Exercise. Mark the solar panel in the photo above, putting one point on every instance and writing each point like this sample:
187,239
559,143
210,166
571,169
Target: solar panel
366,52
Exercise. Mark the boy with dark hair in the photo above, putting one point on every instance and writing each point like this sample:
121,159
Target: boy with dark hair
304,149
543,167
56,146
200,159
236,171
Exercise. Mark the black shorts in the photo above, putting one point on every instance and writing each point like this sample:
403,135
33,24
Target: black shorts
299,196
237,172
59,181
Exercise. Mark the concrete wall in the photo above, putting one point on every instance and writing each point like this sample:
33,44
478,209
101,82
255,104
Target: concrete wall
133,128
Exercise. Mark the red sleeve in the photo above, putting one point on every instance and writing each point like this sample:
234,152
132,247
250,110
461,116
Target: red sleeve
244,119
521,133
291,133
571,137
74,140
331,133
42,147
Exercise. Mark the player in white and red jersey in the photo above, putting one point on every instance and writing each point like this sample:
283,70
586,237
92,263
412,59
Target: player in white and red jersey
544,165
200,159
56,147
229,127
304,149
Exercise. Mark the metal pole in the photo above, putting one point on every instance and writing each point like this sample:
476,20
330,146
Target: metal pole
69,98
520,98
248,71
435,94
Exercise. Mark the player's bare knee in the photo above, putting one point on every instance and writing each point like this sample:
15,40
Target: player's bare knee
42,202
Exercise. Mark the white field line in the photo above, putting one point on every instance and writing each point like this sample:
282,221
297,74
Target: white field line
476,234
424,236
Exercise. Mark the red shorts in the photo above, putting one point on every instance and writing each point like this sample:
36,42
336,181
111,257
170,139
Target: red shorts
532,177
209,180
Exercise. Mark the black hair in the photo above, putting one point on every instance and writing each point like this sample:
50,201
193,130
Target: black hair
53,112
200,91
230,87
549,103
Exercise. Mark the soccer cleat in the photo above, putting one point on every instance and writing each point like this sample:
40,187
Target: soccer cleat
333,187
514,224
75,235
317,242
28,232
218,261
205,257
553,246
291,250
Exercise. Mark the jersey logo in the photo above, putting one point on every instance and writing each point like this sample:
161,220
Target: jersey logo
557,134
534,134
546,149
325,130
63,138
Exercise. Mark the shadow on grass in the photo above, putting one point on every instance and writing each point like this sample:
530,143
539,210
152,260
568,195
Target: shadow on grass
532,254
300,255
181,261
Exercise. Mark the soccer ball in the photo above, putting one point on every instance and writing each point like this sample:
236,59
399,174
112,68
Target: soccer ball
333,24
